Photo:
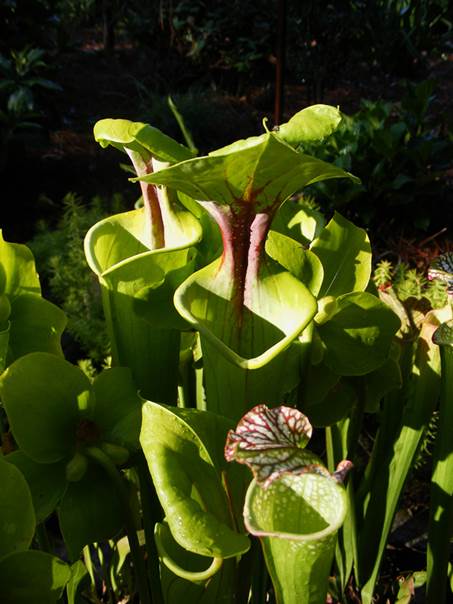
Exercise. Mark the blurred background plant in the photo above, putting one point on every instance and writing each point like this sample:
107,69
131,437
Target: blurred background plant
65,275
401,152
22,94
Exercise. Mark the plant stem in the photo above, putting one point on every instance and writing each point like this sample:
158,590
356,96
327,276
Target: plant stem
103,460
441,508
151,513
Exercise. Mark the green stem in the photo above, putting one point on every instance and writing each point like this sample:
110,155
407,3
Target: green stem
441,508
151,512
346,551
103,460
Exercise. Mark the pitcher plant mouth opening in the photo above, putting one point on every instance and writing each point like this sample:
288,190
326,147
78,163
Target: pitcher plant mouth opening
318,507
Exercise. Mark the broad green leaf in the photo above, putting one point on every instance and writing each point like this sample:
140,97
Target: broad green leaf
118,407
36,326
345,254
297,518
272,442
32,576
298,221
262,171
187,474
319,379
44,397
358,337
89,511
301,263
17,270
141,138
17,517
310,125
339,399
47,482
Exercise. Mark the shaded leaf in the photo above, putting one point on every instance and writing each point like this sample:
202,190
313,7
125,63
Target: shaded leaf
44,396
32,576
17,517
89,511
47,482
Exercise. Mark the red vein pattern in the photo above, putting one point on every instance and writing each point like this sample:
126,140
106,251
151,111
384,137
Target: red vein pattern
271,442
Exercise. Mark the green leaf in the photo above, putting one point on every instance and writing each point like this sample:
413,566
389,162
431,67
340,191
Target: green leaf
345,254
17,517
89,511
263,171
47,482
335,405
301,263
310,125
44,397
141,138
32,576
298,221
79,576
118,407
359,335
187,471
36,325
17,270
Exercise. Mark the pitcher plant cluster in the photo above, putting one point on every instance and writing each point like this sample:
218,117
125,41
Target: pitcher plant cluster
238,318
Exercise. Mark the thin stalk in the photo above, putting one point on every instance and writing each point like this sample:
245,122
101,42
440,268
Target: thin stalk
346,551
187,388
182,125
104,461
152,513
441,508
89,564
259,574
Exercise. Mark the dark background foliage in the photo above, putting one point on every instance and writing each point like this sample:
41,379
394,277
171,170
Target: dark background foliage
65,64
